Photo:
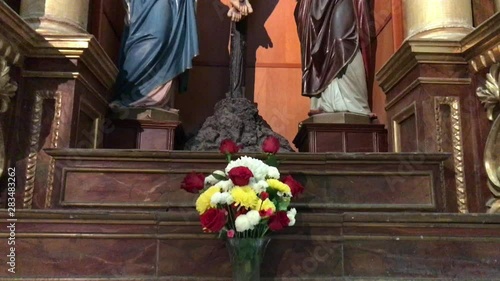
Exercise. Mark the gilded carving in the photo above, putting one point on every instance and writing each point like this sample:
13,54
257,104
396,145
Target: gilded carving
36,124
7,91
490,97
458,160
486,58
7,87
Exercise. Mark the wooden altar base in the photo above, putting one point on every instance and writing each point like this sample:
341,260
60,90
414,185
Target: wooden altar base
332,137
144,134
78,245
335,182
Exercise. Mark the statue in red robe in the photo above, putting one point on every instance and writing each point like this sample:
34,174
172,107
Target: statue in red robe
335,38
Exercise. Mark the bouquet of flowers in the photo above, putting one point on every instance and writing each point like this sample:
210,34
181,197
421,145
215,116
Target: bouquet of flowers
249,198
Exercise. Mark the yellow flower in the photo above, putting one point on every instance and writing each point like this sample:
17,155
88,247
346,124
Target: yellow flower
265,205
279,186
203,202
244,196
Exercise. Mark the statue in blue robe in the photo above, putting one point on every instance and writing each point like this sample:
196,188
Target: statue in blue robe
160,40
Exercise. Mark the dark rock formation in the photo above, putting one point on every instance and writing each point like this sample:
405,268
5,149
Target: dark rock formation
237,119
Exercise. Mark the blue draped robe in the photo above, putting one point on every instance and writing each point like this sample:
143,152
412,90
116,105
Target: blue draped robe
158,45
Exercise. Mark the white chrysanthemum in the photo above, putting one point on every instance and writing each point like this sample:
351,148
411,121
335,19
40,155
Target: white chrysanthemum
259,186
273,173
253,217
221,198
211,180
291,216
259,169
227,198
225,185
242,223
216,199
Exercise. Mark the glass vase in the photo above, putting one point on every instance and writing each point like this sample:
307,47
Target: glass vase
246,256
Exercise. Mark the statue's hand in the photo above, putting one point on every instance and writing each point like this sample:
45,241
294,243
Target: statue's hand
242,6
234,14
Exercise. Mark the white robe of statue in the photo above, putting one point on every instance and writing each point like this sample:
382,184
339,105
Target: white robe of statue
348,93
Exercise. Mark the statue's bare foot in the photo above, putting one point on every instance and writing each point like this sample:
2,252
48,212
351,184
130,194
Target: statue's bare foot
315,111
250,9
243,7
234,15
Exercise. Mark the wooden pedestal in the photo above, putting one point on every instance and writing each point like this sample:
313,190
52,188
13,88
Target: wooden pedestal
329,137
142,134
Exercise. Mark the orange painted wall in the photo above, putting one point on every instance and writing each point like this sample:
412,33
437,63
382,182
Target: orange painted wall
385,48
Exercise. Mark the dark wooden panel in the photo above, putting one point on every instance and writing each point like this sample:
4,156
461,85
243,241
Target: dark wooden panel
411,258
147,179
160,246
325,141
407,133
323,137
72,257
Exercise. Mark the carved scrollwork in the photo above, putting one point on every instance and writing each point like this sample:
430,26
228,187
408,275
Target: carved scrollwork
490,97
7,87
7,91
490,94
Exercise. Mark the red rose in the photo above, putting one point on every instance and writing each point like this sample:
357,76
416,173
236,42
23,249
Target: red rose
264,195
271,145
228,146
278,221
294,185
193,182
240,175
213,220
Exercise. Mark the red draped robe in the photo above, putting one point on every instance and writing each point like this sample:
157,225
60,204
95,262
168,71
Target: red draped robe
330,33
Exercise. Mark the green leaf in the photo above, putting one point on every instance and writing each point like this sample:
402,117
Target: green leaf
219,177
272,160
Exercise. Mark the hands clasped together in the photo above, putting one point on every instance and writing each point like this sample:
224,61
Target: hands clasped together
239,9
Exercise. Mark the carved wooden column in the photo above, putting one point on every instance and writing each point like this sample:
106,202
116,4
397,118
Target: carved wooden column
431,105
437,19
66,81
56,16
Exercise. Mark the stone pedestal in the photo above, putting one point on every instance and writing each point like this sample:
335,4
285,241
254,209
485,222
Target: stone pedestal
144,128
143,134
340,132
331,137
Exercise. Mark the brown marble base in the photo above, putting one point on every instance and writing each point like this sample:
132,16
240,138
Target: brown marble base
75,245
150,180
329,137
143,134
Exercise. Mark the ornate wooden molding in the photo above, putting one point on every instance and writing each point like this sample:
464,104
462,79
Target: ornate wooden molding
414,52
85,47
458,158
7,91
36,126
481,48
490,97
